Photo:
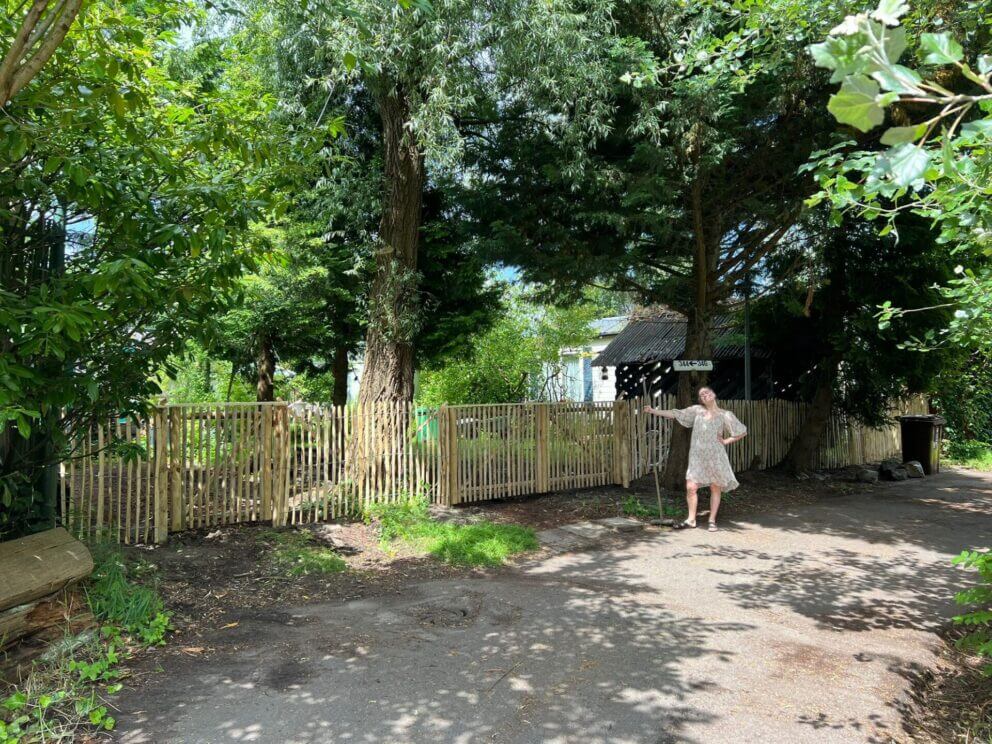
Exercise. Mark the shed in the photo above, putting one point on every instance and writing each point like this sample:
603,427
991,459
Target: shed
647,346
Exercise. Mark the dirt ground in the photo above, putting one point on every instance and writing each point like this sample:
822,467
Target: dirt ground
814,615
205,576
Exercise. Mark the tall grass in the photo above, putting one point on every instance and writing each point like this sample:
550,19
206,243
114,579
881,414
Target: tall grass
481,544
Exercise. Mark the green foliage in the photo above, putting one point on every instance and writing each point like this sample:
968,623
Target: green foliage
517,359
970,454
61,698
817,315
634,507
69,693
480,544
297,553
127,191
713,109
938,167
195,377
978,620
963,395
117,600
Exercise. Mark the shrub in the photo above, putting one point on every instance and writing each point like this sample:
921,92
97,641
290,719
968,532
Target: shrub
970,453
979,598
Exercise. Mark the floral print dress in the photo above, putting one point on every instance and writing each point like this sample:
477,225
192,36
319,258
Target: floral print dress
708,460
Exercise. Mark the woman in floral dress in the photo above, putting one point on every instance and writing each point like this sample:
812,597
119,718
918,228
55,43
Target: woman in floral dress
712,430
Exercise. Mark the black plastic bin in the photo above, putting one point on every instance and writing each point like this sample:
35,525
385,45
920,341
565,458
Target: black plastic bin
921,437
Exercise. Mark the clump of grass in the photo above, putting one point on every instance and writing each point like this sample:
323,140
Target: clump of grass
970,454
64,697
480,544
298,554
634,507
116,600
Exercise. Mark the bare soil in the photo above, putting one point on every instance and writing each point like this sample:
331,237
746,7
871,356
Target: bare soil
952,701
822,597
205,576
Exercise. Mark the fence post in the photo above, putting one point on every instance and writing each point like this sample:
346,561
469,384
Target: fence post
176,456
451,439
161,444
266,473
622,420
542,463
280,496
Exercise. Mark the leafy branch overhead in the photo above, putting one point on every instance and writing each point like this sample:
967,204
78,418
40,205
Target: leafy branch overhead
934,159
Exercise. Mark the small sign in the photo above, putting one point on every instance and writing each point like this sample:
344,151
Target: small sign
692,365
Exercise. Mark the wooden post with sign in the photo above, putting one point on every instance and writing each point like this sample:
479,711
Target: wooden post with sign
692,365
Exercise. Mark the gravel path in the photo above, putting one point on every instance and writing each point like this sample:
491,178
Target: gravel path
802,625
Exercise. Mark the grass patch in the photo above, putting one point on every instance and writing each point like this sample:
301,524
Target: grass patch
118,601
65,696
299,554
970,454
481,544
634,507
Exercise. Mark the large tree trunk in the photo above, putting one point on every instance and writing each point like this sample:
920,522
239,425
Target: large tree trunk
697,346
799,459
697,339
265,390
340,372
388,371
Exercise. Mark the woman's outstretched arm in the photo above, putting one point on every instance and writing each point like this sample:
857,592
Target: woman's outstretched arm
685,416
659,412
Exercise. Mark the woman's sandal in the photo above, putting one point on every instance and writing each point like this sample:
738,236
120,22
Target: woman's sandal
685,525
712,527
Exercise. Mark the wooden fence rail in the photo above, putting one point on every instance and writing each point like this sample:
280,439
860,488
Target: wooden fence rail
205,465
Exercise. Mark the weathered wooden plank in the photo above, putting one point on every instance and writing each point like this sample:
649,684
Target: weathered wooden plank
38,565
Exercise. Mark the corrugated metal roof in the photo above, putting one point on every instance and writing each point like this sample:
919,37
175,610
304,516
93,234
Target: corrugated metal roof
663,338
609,326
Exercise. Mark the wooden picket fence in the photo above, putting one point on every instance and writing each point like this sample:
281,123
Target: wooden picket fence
205,465
772,427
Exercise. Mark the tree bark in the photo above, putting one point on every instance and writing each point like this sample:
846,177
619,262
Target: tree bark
340,372
265,390
388,373
799,459
697,339
36,40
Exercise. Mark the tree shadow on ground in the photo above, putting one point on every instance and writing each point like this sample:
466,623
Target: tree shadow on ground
592,646
503,655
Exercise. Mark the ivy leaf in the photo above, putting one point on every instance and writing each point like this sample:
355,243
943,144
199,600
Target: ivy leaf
895,41
898,79
889,11
977,129
906,163
985,64
840,54
941,49
855,103
898,135
52,164
350,60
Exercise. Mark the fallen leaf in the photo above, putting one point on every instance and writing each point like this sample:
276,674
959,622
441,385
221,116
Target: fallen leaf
229,625
193,650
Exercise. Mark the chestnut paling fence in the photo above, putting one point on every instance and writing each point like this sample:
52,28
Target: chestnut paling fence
204,465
